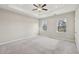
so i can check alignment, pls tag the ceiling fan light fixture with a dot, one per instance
(40, 7)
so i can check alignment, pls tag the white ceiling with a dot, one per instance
(53, 9)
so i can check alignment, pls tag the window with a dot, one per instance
(62, 26)
(43, 25)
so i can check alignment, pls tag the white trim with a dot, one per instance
(10, 41)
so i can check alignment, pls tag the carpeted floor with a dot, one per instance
(39, 45)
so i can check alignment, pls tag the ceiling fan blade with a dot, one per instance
(35, 5)
(45, 9)
(43, 5)
(34, 9)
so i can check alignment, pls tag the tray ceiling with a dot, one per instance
(53, 9)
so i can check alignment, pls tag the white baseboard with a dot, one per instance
(10, 41)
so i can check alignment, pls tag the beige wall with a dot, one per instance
(52, 27)
(14, 26)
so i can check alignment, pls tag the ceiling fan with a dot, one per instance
(40, 7)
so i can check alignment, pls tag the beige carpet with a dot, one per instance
(39, 45)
